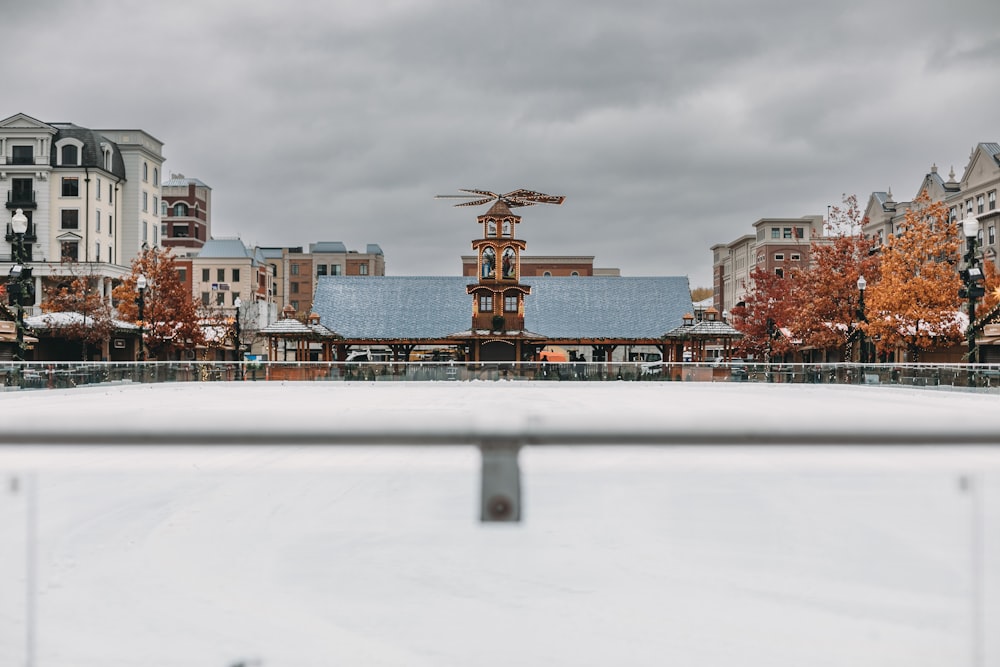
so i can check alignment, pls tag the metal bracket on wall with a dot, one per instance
(500, 482)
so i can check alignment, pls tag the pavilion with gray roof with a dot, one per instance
(401, 313)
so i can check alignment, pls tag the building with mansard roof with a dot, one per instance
(91, 197)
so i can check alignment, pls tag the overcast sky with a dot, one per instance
(668, 126)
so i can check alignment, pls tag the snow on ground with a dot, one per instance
(307, 556)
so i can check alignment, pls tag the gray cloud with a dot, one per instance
(668, 126)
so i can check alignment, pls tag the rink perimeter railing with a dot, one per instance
(61, 375)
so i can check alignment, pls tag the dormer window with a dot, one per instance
(106, 152)
(70, 155)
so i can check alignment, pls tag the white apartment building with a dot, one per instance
(90, 197)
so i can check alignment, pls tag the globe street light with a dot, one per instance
(18, 292)
(862, 284)
(140, 286)
(238, 303)
(972, 287)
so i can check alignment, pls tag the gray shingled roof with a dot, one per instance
(176, 181)
(91, 154)
(224, 249)
(430, 307)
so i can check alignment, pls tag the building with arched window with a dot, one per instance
(89, 209)
(186, 214)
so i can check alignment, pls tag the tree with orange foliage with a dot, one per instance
(82, 296)
(826, 293)
(915, 303)
(169, 311)
(764, 311)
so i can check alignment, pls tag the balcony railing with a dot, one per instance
(22, 199)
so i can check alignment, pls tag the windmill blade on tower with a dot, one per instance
(480, 197)
(513, 199)
(524, 197)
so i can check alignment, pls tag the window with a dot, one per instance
(69, 251)
(97, 221)
(220, 275)
(145, 171)
(980, 204)
(968, 207)
(182, 275)
(363, 270)
(800, 232)
(779, 256)
(110, 193)
(111, 255)
(321, 269)
(546, 273)
(295, 305)
(204, 299)
(97, 250)
(775, 233)
(111, 221)
(336, 270)
(97, 190)
(21, 192)
(796, 257)
(156, 204)
(294, 288)
(180, 231)
(510, 304)
(786, 232)
(574, 273)
(180, 209)
(294, 269)
(780, 273)
(205, 276)
(220, 298)
(163, 229)
(22, 155)
(163, 209)
(236, 275)
(145, 202)
(236, 295)
(992, 196)
(70, 218)
(69, 155)
(156, 176)
(145, 231)
(71, 187)
(486, 303)
(992, 234)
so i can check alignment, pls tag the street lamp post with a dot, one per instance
(862, 285)
(140, 286)
(238, 304)
(18, 291)
(972, 284)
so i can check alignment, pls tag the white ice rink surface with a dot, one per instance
(302, 555)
